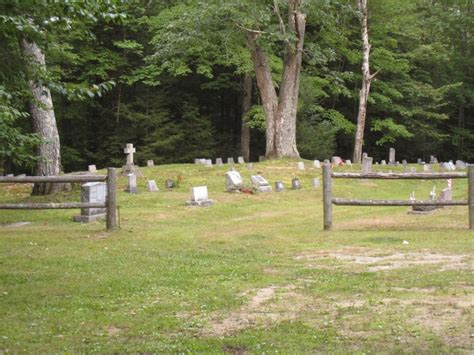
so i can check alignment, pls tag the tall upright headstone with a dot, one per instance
(92, 192)
(367, 165)
(131, 183)
(391, 156)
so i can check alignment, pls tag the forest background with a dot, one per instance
(176, 79)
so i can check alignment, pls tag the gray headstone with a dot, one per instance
(260, 184)
(413, 170)
(21, 175)
(419, 161)
(446, 194)
(240, 160)
(367, 165)
(219, 162)
(317, 164)
(383, 162)
(92, 169)
(301, 165)
(150, 163)
(295, 184)
(197, 161)
(230, 160)
(131, 183)
(460, 164)
(250, 166)
(261, 158)
(208, 163)
(233, 181)
(152, 187)
(433, 159)
(10, 175)
(391, 156)
(428, 168)
(279, 187)
(365, 155)
(92, 192)
(348, 162)
(169, 184)
(404, 162)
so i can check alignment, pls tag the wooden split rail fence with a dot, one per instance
(110, 204)
(328, 200)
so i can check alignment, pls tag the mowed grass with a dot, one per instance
(252, 273)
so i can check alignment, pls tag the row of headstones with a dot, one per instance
(219, 161)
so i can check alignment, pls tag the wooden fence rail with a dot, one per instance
(110, 204)
(328, 200)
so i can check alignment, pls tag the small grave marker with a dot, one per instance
(230, 160)
(316, 182)
(199, 197)
(301, 165)
(240, 160)
(219, 162)
(169, 183)
(233, 181)
(317, 164)
(295, 184)
(336, 161)
(92, 169)
(279, 187)
(152, 187)
(260, 184)
(150, 163)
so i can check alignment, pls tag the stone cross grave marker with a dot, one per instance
(131, 183)
(295, 184)
(317, 164)
(152, 187)
(301, 165)
(199, 197)
(279, 187)
(129, 150)
(391, 156)
(92, 192)
(367, 165)
(150, 163)
(92, 169)
(233, 181)
(240, 160)
(261, 185)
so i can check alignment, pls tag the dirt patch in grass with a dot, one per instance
(373, 261)
(266, 307)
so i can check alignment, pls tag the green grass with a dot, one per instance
(181, 279)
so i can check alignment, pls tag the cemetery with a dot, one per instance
(207, 264)
(236, 177)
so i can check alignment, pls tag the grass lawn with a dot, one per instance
(252, 273)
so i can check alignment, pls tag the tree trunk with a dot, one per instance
(246, 103)
(266, 89)
(44, 122)
(280, 111)
(285, 134)
(366, 81)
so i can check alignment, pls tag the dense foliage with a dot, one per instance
(167, 76)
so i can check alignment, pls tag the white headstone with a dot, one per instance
(92, 192)
(367, 165)
(219, 162)
(260, 183)
(348, 162)
(336, 161)
(150, 163)
(199, 193)
(240, 160)
(295, 184)
(230, 160)
(317, 164)
(391, 156)
(131, 184)
(92, 169)
(208, 163)
(233, 181)
(383, 162)
(316, 182)
(152, 187)
(301, 165)
(279, 187)
(427, 168)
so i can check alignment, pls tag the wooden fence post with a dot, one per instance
(470, 197)
(327, 196)
(111, 200)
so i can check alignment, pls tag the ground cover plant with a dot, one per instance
(252, 273)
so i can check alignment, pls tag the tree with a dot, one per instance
(367, 78)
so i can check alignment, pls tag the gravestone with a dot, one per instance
(419, 161)
(21, 175)
(413, 170)
(348, 162)
(326, 161)
(150, 163)
(92, 192)
(448, 166)
(433, 159)
(169, 183)
(427, 168)
(230, 160)
(197, 161)
(317, 164)
(391, 156)
(301, 165)
(316, 182)
(279, 187)
(261, 158)
(446, 195)
(131, 184)
(240, 160)
(460, 164)
(336, 161)
(365, 155)
(92, 169)
(260, 184)
(199, 197)
(295, 184)
(152, 187)
(367, 165)
(250, 166)
(130, 166)
(383, 162)
(219, 162)
(404, 162)
(233, 181)
(208, 163)
(9, 175)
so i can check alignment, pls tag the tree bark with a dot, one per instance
(246, 103)
(280, 111)
(44, 121)
(366, 81)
